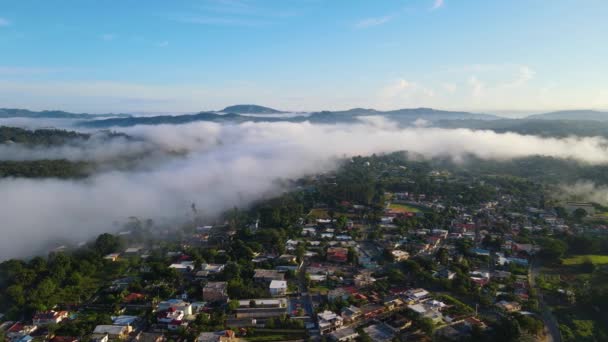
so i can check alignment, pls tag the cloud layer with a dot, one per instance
(225, 165)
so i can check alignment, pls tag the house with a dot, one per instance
(49, 317)
(372, 310)
(216, 291)
(112, 332)
(329, 321)
(278, 288)
(170, 316)
(288, 258)
(133, 297)
(264, 308)
(336, 293)
(398, 323)
(18, 330)
(508, 306)
(427, 311)
(266, 276)
(351, 313)
(445, 273)
(150, 337)
(415, 295)
(364, 279)
(132, 251)
(64, 339)
(337, 254)
(209, 270)
(183, 266)
(343, 335)
(112, 256)
(399, 255)
(124, 320)
(176, 324)
(379, 332)
(175, 304)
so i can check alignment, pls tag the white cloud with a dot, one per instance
(4, 22)
(523, 75)
(437, 4)
(231, 164)
(402, 93)
(376, 21)
(477, 87)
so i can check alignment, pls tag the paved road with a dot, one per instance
(552, 333)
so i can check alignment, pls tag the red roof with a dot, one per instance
(133, 297)
(17, 327)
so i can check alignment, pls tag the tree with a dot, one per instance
(107, 243)
(579, 214)
(233, 305)
(587, 265)
(552, 249)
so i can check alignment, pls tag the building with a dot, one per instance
(508, 306)
(343, 335)
(170, 316)
(571, 207)
(364, 279)
(266, 276)
(112, 332)
(399, 255)
(112, 256)
(175, 304)
(337, 254)
(329, 321)
(216, 291)
(263, 308)
(278, 288)
(351, 314)
(49, 317)
(150, 337)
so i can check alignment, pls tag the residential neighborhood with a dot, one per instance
(405, 265)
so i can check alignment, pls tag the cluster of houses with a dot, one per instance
(337, 265)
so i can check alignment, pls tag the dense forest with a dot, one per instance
(39, 137)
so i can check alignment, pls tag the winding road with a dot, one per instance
(552, 333)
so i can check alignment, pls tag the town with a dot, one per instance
(386, 248)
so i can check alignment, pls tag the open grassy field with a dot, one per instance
(579, 259)
(319, 213)
(403, 208)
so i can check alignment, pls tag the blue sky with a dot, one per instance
(192, 55)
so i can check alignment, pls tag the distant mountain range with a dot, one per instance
(572, 115)
(240, 113)
(52, 114)
(250, 109)
(255, 113)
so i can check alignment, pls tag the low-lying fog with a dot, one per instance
(223, 165)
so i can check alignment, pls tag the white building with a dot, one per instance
(278, 288)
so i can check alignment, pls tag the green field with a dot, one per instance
(403, 208)
(579, 259)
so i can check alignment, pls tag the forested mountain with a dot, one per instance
(545, 128)
(250, 109)
(51, 114)
(402, 116)
(39, 136)
(572, 115)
